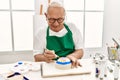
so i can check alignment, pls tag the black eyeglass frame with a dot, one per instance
(52, 20)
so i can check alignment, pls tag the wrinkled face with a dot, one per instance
(55, 18)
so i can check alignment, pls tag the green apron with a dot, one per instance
(61, 45)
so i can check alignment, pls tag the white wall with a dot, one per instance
(111, 27)
(14, 57)
(111, 21)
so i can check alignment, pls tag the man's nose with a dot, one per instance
(56, 22)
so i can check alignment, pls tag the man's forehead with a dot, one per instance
(55, 12)
(55, 8)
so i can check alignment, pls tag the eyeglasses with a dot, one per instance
(52, 20)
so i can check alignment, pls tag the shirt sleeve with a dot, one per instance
(39, 42)
(77, 37)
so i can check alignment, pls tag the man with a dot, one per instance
(60, 39)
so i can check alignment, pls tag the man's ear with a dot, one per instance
(45, 15)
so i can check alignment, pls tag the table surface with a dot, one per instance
(36, 75)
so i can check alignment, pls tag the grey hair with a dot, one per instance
(55, 4)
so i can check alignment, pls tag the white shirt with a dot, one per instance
(40, 38)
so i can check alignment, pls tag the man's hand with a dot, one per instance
(75, 62)
(50, 54)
